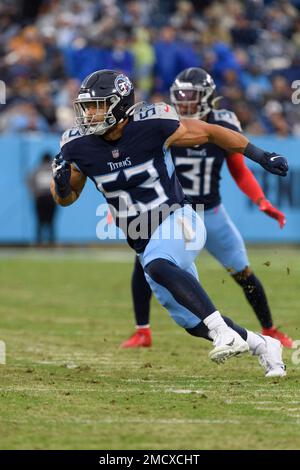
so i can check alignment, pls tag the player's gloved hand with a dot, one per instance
(265, 206)
(61, 171)
(271, 162)
(275, 163)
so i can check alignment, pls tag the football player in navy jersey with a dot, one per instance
(124, 149)
(198, 170)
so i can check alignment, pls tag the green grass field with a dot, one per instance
(66, 385)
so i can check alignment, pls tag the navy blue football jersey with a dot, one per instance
(135, 173)
(199, 168)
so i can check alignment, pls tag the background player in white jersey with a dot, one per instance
(144, 181)
(199, 172)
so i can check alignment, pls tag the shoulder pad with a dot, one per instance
(227, 117)
(69, 135)
(155, 111)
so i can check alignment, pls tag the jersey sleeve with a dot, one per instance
(169, 120)
(68, 146)
(69, 135)
(162, 117)
(226, 118)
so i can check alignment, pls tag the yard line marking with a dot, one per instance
(184, 391)
(130, 421)
(156, 421)
(253, 402)
(170, 421)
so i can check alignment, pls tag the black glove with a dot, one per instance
(275, 163)
(271, 162)
(61, 171)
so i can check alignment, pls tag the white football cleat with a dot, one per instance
(227, 344)
(271, 358)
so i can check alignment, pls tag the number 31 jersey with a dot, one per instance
(135, 173)
(199, 168)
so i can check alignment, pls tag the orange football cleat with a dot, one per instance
(285, 340)
(140, 339)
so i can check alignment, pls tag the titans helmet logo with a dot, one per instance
(123, 85)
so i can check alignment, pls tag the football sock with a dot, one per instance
(239, 329)
(202, 331)
(214, 321)
(256, 296)
(183, 286)
(141, 294)
(256, 343)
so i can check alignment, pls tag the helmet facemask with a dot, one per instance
(95, 115)
(195, 100)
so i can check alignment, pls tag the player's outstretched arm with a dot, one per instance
(67, 182)
(247, 182)
(192, 132)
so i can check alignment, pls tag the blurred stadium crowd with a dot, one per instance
(250, 47)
